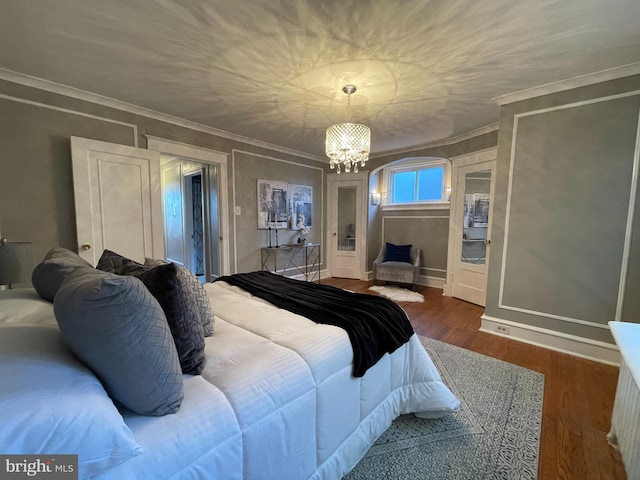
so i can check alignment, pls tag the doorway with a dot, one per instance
(470, 227)
(191, 217)
(347, 216)
(194, 191)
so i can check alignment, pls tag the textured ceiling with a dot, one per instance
(273, 70)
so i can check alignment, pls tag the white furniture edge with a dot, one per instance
(627, 337)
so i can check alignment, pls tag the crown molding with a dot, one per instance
(571, 83)
(57, 88)
(445, 141)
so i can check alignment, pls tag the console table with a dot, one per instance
(303, 258)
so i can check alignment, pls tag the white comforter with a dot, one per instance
(288, 380)
(277, 400)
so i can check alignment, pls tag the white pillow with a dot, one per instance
(52, 404)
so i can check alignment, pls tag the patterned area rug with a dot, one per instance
(495, 435)
(398, 294)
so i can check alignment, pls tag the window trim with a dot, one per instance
(414, 165)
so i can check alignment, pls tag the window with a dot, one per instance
(425, 181)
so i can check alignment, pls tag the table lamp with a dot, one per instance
(16, 263)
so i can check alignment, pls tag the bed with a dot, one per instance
(277, 397)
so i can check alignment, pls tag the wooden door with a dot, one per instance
(117, 199)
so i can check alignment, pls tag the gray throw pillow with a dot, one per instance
(48, 275)
(202, 303)
(201, 300)
(115, 263)
(178, 302)
(117, 328)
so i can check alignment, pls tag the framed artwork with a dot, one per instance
(272, 204)
(300, 206)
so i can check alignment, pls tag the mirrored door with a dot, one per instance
(475, 219)
(471, 214)
(347, 223)
(346, 234)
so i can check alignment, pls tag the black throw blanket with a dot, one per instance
(375, 324)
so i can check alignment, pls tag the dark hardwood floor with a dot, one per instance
(578, 393)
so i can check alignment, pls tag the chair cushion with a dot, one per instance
(397, 253)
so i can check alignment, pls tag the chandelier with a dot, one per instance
(348, 144)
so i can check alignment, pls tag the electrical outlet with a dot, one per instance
(238, 210)
(502, 329)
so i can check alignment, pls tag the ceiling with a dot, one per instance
(273, 70)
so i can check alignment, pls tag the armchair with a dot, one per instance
(389, 269)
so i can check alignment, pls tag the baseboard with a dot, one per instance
(560, 342)
(434, 282)
(300, 276)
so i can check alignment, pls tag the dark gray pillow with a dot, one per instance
(177, 299)
(202, 303)
(115, 263)
(48, 275)
(117, 328)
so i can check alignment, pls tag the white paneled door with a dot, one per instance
(471, 219)
(347, 225)
(117, 199)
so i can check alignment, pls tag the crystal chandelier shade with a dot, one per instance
(348, 144)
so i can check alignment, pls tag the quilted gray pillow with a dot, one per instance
(115, 263)
(177, 299)
(48, 275)
(202, 303)
(201, 300)
(117, 328)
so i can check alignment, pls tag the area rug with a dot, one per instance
(495, 435)
(398, 294)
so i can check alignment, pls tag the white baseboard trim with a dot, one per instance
(597, 351)
(300, 276)
(425, 280)
(434, 282)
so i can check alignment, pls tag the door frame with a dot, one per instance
(204, 155)
(483, 156)
(361, 179)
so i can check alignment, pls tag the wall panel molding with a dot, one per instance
(132, 126)
(502, 304)
(78, 94)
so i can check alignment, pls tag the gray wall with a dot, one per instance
(247, 169)
(428, 229)
(36, 189)
(559, 225)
